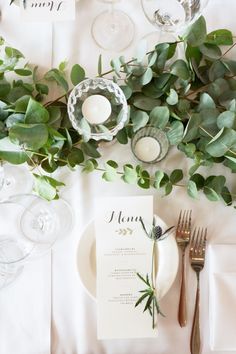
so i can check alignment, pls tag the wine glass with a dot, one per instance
(14, 179)
(42, 223)
(29, 228)
(171, 17)
(113, 29)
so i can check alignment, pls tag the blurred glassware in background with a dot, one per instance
(113, 29)
(14, 179)
(170, 16)
(30, 226)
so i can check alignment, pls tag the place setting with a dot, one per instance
(117, 193)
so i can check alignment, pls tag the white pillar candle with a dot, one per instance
(96, 109)
(147, 149)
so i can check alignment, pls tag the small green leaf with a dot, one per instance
(90, 149)
(192, 189)
(145, 103)
(90, 165)
(220, 37)
(36, 113)
(159, 175)
(226, 119)
(110, 175)
(222, 142)
(32, 136)
(12, 52)
(42, 89)
(127, 91)
(173, 98)
(176, 176)
(211, 194)
(56, 75)
(175, 133)
(168, 188)
(122, 136)
(77, 74)
(130, 175)
(85, 129)
(180, 69)
(12, 153)
(196, 33)
(46, 187)
(23, 72)
(146, 77)
(159, 117)
(139, 119)
(75, 157)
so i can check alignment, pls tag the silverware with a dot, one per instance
(183, 233)
(197, 260)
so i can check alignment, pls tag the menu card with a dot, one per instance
(122, 249)
(47, 11)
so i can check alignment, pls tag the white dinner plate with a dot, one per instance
(168, 260)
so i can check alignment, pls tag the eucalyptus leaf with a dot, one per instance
(36, 113)
(192, 189)
(159, 117)
(31, 136)
(180, 69)
(226, 119)
(139, 119)
(77, 74)
(12, 153)
(196, 34)
(85, 129)
(173, 98)
(220, 37)
(175, 133)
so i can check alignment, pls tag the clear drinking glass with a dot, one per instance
(170, 17)
(14, 179)
(113, 29)
(29, 228)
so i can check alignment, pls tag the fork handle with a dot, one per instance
(195, 342)
(182, 314)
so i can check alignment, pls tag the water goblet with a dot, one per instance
(170, 17)
(113, 29)
(14, 179)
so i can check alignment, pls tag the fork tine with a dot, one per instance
(184, 220)
(179, 220)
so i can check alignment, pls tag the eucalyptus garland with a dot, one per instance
(193, 100)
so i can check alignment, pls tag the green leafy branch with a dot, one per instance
(192, 101)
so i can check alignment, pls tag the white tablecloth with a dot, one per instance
(73, 311)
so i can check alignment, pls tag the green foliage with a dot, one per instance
(193, 100)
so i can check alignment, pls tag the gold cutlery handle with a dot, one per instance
(195, 342)
(182, 314)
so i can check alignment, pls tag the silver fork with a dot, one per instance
(197, 260)
(183, 233)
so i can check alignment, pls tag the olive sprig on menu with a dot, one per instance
(150, 293)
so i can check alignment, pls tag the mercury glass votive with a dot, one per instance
(102, 104)
(150, 145)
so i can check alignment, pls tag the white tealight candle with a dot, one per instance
(147, 149)
(96, 109)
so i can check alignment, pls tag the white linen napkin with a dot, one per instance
(222, 297)
(25, 307)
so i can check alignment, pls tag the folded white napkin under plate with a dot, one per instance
(222, 297)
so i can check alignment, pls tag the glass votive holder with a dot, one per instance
(97, 109)
(150, 145)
